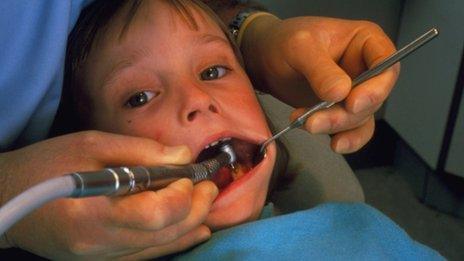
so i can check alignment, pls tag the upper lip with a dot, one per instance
(221, 135)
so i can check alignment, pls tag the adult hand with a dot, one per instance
(283, 56)
(139, 226)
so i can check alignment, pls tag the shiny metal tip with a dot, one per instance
(227, 148)
(233, 167)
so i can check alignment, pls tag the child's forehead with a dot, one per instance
(163, 15)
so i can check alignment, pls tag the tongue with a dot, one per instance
(245, 153)
(225, 175)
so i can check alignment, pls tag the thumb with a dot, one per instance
(327, 79)
(114, 149)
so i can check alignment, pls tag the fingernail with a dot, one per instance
(342, 146)
(183, 182)
(319, 125)
(334, 81)
(361, 104)
(337, 88)
(213, 190)
(204, 235)
(177, 154)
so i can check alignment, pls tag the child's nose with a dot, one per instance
(196, 113)
(198, 103)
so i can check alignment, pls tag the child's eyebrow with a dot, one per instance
(139, 53)
(129, 61)
(208, 38)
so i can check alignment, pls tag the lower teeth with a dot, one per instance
(237, 172)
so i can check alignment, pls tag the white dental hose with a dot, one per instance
(109, 182)
(34, 198)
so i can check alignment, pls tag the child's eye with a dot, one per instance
(213, 73)
(141, 98)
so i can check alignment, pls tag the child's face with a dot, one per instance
(176, 85)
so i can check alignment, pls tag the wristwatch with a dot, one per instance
(236, 23)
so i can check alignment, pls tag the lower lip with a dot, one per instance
(239, 182)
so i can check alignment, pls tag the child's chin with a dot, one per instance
(224, 219)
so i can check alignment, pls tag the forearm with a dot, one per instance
(256, 35)
(227, 9)
(3, 193)
(3, 178)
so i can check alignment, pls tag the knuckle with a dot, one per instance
(299, 38)
(151, 221)
(79, 248)
(371, 26)
(336, 123)
(90, 138)
(77, 244)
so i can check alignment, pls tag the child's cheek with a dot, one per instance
(136, 127)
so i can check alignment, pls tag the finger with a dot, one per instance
(114, 149)
(144, 236)
(204, 194)
(327, 79)
(372, 93)
(352, 140)
(376, 48)
(153, 210)
(333, 120)
(194, 237)
(180, 206)
(369, 47)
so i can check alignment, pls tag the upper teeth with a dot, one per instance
(214, 143)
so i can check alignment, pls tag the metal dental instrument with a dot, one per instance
(376, 70)
(130, 180)
(109, 182)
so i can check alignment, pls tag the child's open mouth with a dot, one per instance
(245, 152)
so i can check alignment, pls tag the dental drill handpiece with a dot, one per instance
(129, 180)
(109, 182)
